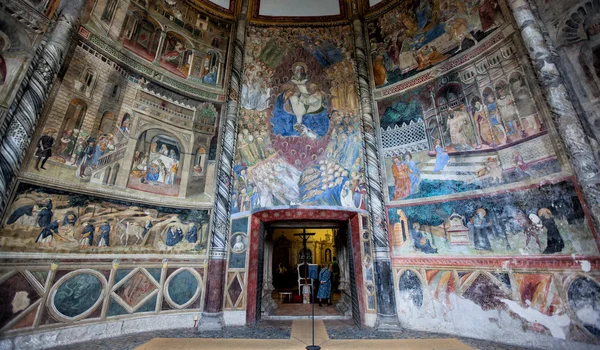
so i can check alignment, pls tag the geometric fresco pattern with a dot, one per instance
(235, 289)
(135, 289)
(21, 295)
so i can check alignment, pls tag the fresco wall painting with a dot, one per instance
(298, 119)
(471, 129)
(516, 302)
(549, 219)
(136, 134)
(417, 35)
(172, 35)
(43, 219)
(476, 181)
(97, 293)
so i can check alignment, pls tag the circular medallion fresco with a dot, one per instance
(77, 295)
(183, 287)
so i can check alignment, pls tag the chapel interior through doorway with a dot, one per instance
(285, 275)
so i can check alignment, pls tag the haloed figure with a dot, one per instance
(325, 287)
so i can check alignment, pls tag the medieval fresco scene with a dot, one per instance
(468, 130)
(299, 140)
(532, 221)
(125, 132)
(172, 35)
(42, 219)
(417, 35)
(183, 166)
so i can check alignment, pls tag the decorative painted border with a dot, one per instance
(99, 268)
(565, 262)
(434, 72)
(255, 15)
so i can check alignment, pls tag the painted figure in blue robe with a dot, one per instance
(324, 285)
(87, 235)
(19, 212)
(153, 173)
(47, 233)
(192, 234)
(421, 242)
(441, 158)
(284, 119)
(211, 78)
(423, 14)
(174, 236)
(415, 173)
(104, 239)
(44, 217)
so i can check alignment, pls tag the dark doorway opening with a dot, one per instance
(284, 288)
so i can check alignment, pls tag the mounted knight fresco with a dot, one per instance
(417, 35)
(42, 219)
(299, 140)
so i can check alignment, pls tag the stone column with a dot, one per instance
(159, 48)
(386, 305)
(23, 114)
(221, 210)
(268, 304)
(569, 125)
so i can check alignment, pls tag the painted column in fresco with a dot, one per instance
(386, 305)
(25, 110)
(221, 213)
(569, 125)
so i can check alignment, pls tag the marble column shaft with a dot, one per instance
(563, 112)
(25, 110)
(221, 211)
(386, 304)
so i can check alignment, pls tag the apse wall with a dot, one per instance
(110, 219)
(299, 139)
(488, 231)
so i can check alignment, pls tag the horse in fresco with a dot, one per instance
(130, 229)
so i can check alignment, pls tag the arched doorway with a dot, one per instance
(272, 244)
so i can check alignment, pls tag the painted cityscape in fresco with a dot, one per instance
(43, 219)
(468, 130)
(535, 221)
(417, 35)
(299, 140)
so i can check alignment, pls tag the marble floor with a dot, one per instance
(332, 334)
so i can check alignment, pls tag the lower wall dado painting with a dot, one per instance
(44, 219)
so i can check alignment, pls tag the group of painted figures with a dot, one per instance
(75, 148)
(481, 230)
(55, 232)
